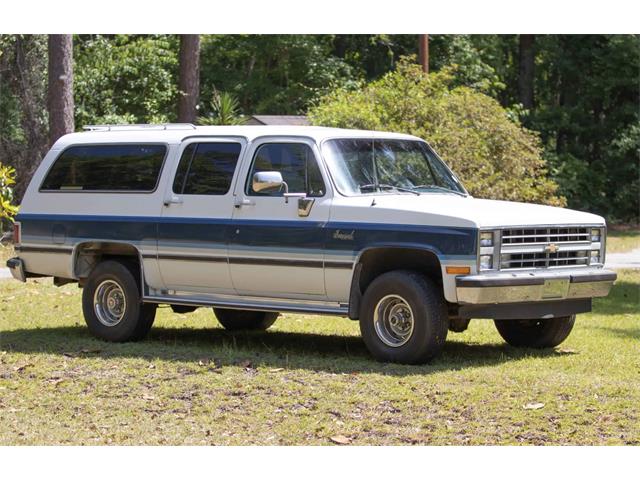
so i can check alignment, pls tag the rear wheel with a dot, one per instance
(403, 318)
(245, 319)
(536, 333)
(112, 306)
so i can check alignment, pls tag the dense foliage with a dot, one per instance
(7, 209)
(125, 79)
(271, 74)
(585, 109)
(494, 156)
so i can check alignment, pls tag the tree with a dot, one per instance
(525, 70)
(126, 78)
(60, 92)
(272, 74)
(23, 116)
(493, 154)
(423, 52)
(189, 78)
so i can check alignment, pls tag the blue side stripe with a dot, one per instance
(281, 235)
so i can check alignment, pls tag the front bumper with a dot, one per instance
(537, 286)
(16, 267)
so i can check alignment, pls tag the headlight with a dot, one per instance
(596, 235)
(486, 262)
(594, 257)
(486, 239)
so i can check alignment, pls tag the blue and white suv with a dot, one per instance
(255, 220)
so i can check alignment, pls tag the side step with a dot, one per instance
(251, 303)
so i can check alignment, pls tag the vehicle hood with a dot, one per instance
(453, 210)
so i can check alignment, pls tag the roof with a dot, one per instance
(278, 120)
(176, 133)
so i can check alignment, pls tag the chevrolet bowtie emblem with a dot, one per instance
(551, 248)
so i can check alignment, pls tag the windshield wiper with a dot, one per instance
(386, 186)
(438, 187)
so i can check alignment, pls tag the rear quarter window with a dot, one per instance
(107, 168)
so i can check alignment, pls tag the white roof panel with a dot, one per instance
(174, 134)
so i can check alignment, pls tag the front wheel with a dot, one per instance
(536, 333)
(245, 319)
(403, 318)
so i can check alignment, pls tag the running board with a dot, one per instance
(254, 303)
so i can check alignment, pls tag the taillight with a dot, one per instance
(16, 233)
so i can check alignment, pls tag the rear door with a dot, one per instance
(275, 248)
(198, 204)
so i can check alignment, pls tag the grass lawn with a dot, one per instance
(307, 380)
(619, 241)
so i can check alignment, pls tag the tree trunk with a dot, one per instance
(189, 82)
(423, 52)
(60, 94)
(525, 71)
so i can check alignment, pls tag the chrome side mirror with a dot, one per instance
(268, 182)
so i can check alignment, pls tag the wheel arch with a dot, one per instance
(375, 260)
(87, 255)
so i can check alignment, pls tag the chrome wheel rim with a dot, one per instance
(393, 320)
(109, 303)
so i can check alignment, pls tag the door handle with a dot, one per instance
(172, 199)
(244, 202)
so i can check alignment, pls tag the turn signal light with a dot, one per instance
(458, 270)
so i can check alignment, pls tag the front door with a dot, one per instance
(276, 242)
(192, 236)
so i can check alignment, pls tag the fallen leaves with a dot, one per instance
(534, 406)
(24, 366)
(566, 351)
(340, 440)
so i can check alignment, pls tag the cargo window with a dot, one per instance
(106, 168)
(296, 163)
(206, 169)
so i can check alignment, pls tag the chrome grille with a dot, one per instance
(544, 260)
(545, 235)
(544, 247)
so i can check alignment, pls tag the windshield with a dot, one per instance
(364, 165)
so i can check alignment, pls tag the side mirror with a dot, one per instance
(268, 182)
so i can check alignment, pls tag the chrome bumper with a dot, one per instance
(16, 267)
(540, 286)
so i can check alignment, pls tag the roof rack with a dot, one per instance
(139, 126)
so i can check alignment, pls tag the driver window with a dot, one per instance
(296, 163)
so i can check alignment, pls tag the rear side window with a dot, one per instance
(104, 168)
(206, 169)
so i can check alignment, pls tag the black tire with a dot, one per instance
(137, 317)
(244, 319)
(430, 322)
(536, 333)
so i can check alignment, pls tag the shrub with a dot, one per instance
(494, 156)
(7, 209)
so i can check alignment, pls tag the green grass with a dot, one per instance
(308, 379)
(619, 241)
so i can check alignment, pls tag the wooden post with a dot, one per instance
(423, 51)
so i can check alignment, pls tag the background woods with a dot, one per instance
(542, 118)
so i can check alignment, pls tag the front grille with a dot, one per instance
(544, 247)
(545, 235)
(544, 260)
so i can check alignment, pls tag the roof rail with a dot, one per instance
(139, 126)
